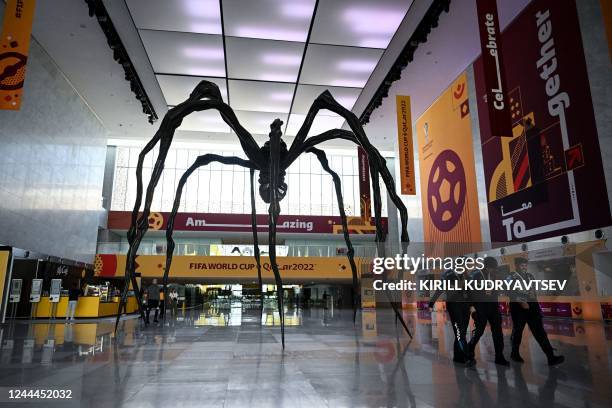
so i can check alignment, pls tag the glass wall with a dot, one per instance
(219, 188)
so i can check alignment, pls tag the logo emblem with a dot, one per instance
(156, 220)
(446, 190)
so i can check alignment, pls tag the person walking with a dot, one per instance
(173, 302)
(73, 298)
(458, 308)
(525, 310)
(486, 303)
(152, 301)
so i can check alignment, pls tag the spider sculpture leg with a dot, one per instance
(377, 164)
(299, 145)
(201, 161)
(256, 241)
(170, 122)
(351, 251)
(165, 133)
(380, 242)
(273, 212)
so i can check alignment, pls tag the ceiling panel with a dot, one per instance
(185, 53)
(196, 16)
(338, 66)
(261, 96)
(321, 123)
(268, 19)
(207, 121)
(306, 94)
(259, 122)
(359, 23)
(263, 60)
(177, 88)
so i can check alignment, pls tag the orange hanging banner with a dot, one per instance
(404, 141)
(14, 47)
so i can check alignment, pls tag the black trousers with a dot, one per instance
(152, 304)
(533, 318)
(488, 312)
(459, 313)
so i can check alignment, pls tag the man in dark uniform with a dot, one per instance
(458, 308)
(525, 309)
(487, 310)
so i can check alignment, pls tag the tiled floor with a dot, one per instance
(229, 358)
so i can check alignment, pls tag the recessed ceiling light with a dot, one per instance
(298, 10)
(361, 18)
(357, 65)
(282, 59)
(207, 53)
(271, 34)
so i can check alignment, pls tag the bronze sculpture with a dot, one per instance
(271, 160)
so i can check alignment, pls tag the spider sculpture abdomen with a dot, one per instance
(264, 185)
(264, 172)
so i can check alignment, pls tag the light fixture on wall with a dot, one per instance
(120, 54)
(599, 234)
(429, 21)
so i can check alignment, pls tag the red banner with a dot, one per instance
(291, 224)
(494, 75)
(547, 179)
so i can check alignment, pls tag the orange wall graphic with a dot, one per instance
(14, 48)
(448, 179)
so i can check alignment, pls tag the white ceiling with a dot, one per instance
(259, 53)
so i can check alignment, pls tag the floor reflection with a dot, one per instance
(230, 355)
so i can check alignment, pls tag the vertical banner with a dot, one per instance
(547, 179)
(365, 199)
(14, 47)
(606, 12)
(490, 44)
(404, 142)
(448, 176)
(6, 266)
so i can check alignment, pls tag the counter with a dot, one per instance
(87, 307)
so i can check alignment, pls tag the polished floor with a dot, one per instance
(232, 357)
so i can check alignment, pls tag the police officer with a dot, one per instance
(487, 310)
(458, 308)
(525, 309)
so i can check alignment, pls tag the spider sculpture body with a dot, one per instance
(271, 160)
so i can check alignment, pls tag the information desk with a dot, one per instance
(87, 306)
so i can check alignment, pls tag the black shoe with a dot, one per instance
(554, 360)
(470, 362)
(156, 321)
(515, 356)
(501, 360)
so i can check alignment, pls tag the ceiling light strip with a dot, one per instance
(227, 92)
(297, 81)
(428, 22)
(120, 54)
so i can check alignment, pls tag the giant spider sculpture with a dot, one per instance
(272, 161)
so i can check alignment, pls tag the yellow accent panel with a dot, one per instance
(87, 307)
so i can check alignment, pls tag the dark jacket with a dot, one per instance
(483, 295)
(522, 295)
(74, 293)
(452, 295)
